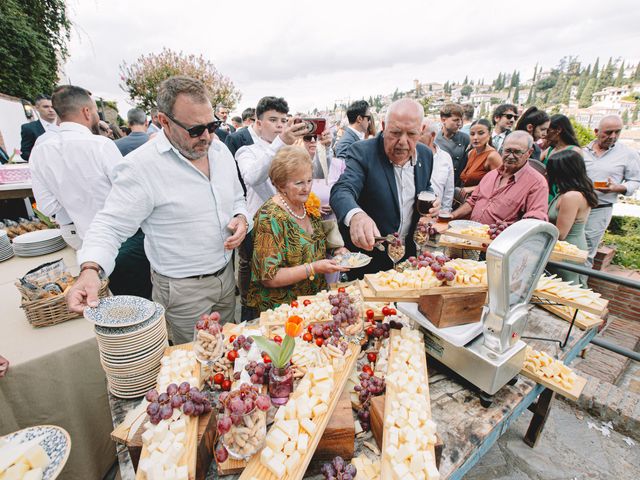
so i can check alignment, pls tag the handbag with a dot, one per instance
(332, 234)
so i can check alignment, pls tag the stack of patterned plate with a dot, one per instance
(40, 242)
(132, 337)
(6, 251)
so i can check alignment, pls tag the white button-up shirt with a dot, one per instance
(254, 162)
(442, 177)
(620, 163)
(48, 126)
(72, 171)
(183, 214)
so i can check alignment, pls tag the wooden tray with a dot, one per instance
(406, 293)
(561, 257)
(370, 295)
(189, 457)
(257, 470)
(466, 236)
(582, 323)
(389, 397)
(460, 245)
(572, 394)
(600, 311)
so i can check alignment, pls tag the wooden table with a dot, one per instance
(467, 429)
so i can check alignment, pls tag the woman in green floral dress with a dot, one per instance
(290, 247)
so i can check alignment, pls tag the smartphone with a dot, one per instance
(315, 126)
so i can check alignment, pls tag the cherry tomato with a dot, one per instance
(319, 341)
(385, 310)
(309, 328)
(306, 302)
(370, 314)
(372, 357)
(277, 339)
(294, 303)
(232, 355)
(369, 331)
(266, 359)
(232, 338)
(392, 311)
(341, 290)
(226, 385)
(307, 337)
(367, 369)
(218, 378)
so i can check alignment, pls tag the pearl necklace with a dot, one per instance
(290, 210)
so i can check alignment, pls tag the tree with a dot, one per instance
(466, 90)
(595, 71)
(516, 95)
(143, 77)
(625, 117)
(636, 74)
(634, 117)
(34, 37)
(396, 95)
(606, 77)
(620, 78)
(530, 97)
(583, 134)
(466, 80)
(585, 99)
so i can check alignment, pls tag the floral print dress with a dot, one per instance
(279, 242)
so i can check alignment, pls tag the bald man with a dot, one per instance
(607, 160)
(376, 193)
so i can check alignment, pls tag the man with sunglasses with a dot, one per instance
(509, 193)
(504, 118)
(182, 189)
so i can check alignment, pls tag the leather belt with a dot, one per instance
(602, 205)
(214, 274)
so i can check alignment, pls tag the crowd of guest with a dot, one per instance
(161, 207)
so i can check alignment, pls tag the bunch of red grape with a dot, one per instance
(190, 399)
(259, 372)
(378, 330)
(437, 265)
(210, 323)
(343, 310)
(496, 229)
(338, 469)
(370, 386)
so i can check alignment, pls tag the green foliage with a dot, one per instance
(620, 78)
(583, 134)
(625, 117)
(624, 234)
(466, 90)
(547, 83)
(34, 37)
(585, 99)
(516, 95)
(143, 77)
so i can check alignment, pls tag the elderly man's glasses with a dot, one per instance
(309, 138)
(510, 116)
(507, 152)
(197, 130)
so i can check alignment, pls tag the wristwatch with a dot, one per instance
(246, 222)
(93, 267)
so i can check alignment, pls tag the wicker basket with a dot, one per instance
(51, 311)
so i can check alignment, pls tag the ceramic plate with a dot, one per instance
(120, 311)
(136, 328)
(39, 236)
(353, 259)
(458, 224)
(55, 442)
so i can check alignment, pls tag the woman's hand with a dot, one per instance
(328, 266)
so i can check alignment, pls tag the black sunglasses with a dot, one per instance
(510, 116)
(309, 138)
(197, 130)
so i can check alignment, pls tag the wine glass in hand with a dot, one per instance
(396, 249)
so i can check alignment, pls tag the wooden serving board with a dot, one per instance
(370, 295)
(406, 293)
(390, 395)
(460, 245)
(600, 311)
(562, 257)
(466, 236)
(190, 455)
(572, 394)
(582, 322)
(256, 469)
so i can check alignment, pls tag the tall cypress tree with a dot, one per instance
(620, 78)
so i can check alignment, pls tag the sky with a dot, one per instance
(316, 53)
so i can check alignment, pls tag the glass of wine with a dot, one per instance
(426, 199)
(396, 249)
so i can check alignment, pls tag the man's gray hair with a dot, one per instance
(174, 86)
(428, 126)
(136, 116)
(517, 134)
(403, 103)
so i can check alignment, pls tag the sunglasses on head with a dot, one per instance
(510, 116)
(310, 138)
(197, 130)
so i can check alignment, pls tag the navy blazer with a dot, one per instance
(238, 139)
(369, 183)
(347, 139)
(29, 133)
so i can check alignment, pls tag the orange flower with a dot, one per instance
(294, 326)
(313, 205)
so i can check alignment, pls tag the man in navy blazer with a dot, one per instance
(375, 196)
(32, 130)
(359, 117)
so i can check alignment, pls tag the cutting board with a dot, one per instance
(407, 293)
(600, 311)
(583, 322)
(573, 394)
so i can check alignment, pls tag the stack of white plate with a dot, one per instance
(132, 336)
(40, 242)
(6, 251)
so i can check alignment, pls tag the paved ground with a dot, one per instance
(568, 449)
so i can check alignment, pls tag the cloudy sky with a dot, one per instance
(314, 53)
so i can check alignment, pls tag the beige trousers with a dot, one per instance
(185, 299)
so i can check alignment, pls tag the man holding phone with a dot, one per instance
(276, 131)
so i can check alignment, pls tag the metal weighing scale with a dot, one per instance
(490, 353)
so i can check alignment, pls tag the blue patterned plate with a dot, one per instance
(136, 328)
(120, 311)
(55, 442)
